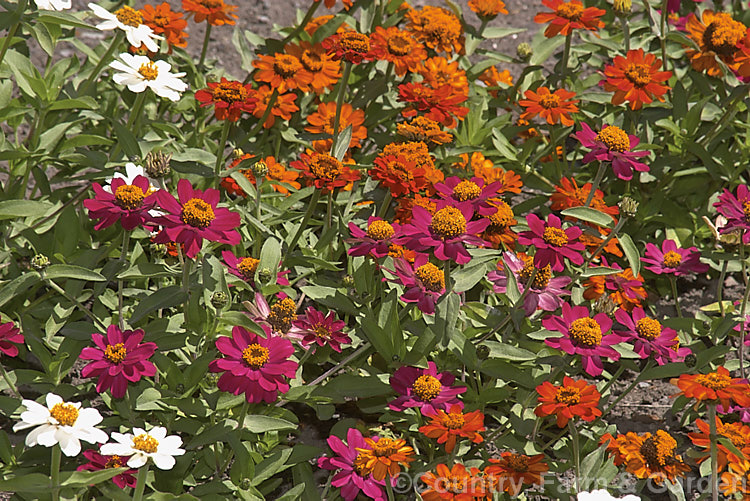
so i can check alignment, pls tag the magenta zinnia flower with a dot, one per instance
(424, 282)
(613, 145)
(583, 335)
(348, 479)
(553, 244)
(322, 330)
(10, 334)
(194, 218)
(649, 336)
(245, 267)
(673, 260)
(279, 317)
(425, 389)
(376, 240)
(98, 462)
(471, 191)
(445, 232)
(257, 366)
(119, 359)
(127, 203)
(737, 211)
(545, 292)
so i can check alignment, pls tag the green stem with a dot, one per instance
(134, 113)
(517, 304)
(259, 125)
(566, 56)
(339, 103)
(75, 302)
(389, 488)
(55, 472)
(116, 40)
(258, 182)
(625, 32)
(714, 453)
(595, 184)
(310, 209)
(204, 49)
(10, 384)
(386, 205)
(238, 431)
(729, 111)
(447, 277)
(720, 287)
(576, 453)
(308, 16)
(123, 258)
(341, 364)
(8, 38)
(663, 30)
(140, 485)
(222, 145)
(612, 234)
(673, 283)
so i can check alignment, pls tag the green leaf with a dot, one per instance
(86, 478)
(256, 423)
(342, 144)
(270, 257)
(81, 103)
(589, 215)
(600, 270)
(29, 482)
(10, 209)
(501, 32)
(72, 271)
(509, 352)
(127, 140)
(163, 298)
(631, 253)
(214, 279)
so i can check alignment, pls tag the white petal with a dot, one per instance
(53, 400)
(92, 435)
(70, 445)
(137, 460)
(32, 437)
(88, 417)
(123, 438)
(137, 87)
(47, 437)
(169, 444)
(162, 461)
(107, 25)
(116, 450)
(158, 432)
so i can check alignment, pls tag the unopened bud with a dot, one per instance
(260, 169)
(483, 352)
(395, 358)
(245, 484)
(156, 164)
(691, 360)
(265, 275)
(348, 281)
(622, 7)
(159, 250)
(219, 300)
(39, 262)
(237, 153)
(524, 51)
(628, 207)
(605, 305)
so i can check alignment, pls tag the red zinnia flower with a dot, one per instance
(282, 107)
(553, 244)
(128, 203)
(446, 427)
(715, 387)
(569, 16)
(571, 399)
(636, 78)
(10, 334)
(351, 46)
(230, 99)
(441, 104)
(400, 175)
(554, 107)
(325, 172)
(322, 330)
(98, 462)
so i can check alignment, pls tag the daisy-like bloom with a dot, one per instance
(283, 72)
(715, 387)
(511, 471)
(448, 426)
(553, 244)
(613, 145)
(399, 174)
(245, 268)
(568, 16)
(54, 4)
(455, 484)
(424, 129)
(229, 98)
(423, 282)
(583, 335)
(625, 290)
(130, 21)
(256, 366)
(488, 9)
(349, 462)
(60, 422)
(139, 73)
(214, 12)
(499, 232)
(351, 46)
(568, 194)
(438, 71)
(325, 72)
(142, 446)
(164, 21)
(283, 106)
(437, 28)
(119, 359)
(398, 47)
(321, 122)
(653, 456)
(673, 260)
(375, 241)
(425, 389)
(417, 152)
(406, 206)
(737, 433)
(650, 337)
(441, 104)
(98, 462)
(195, 217)
(636, 79)
(279, 317)
(720, 38)
(491, 77)
(554, 107)
(484, 168)
(382, 457)
(322, 329)
(127, 203)
(571, 399)
(473, 191)
(278, 175)
(325, 172)
(545, 292)
(736, 209)
(131, 172)
(615, 447)
(10, 334)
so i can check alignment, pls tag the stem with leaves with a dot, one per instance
(222, 146)
(340, 103)
(55, 471)
(673, 283)
(204, 49)
(596, 183)
(123, 259)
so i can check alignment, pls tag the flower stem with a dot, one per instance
(339, 103)
(258, 182)
(595, 184)
(8, 38)
(10, 383)
(673, 282)
(576, 453)
(73, 300)
(612, 234)
(310, 208)
(341, 364)
(123, 258)
(55, 472)
(625, 32)
(447, 276)
(566, 56)
(389, 488)
(140, 485)
(720, 287)
(714, 453)
(308, 16)
(518, 303)
(222, 145)
(116, 40)
(204, 49)
(663, 30)
(134, 114)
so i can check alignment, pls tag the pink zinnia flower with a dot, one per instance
(650, 337)
(321, 329)
(245, 267)
(614, 145)
(425, 389)
(194, 218)
(376, 240)
(673, 260)
(127, 203)
(553, 244)
(257, 366)
(348, 478)
(583, 335)
(10, 334)
(119, 359)
(472, 191)
(424, 282)
(545, 292)
(737, 211)
(445, 232)
(98, 462)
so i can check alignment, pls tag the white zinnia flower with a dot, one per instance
(139, 72)
(141, 446)
(60, 422)
(130, 21)
(54, 4)
(603, 495)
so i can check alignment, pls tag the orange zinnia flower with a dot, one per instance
(554, 107)
(229, 98)
(491, 77)
(488, 9)
(215, 12)
(331, 3)
(438, 71)
(414, 151)
(456, 484)
(484, 168)
(405, 206)
(718, 36)
(511, 471)
(283, 107)
(615, 447)
(448, 426)
(321, 122)
(350, 45)
(398, 47)
(384, 458)
(625, 289)
(441, 104)
(283, 72)
(164, 21)
(737, 433)
(325, 172)
(636, 78)
(319, 21)
(568, 194)
(277, 173)
(715, 387)
(499, 232)
(324, 70)
(437, 28)
(569, 16)
(652, 456)
(572, 398)
(736, 480)
(398, 174)
(424, 129)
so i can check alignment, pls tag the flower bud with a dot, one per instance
(605, 305)
(265, 275)
(622, 7)
(524, 51)
(483, 352)
(237, 153)
(691, 360)
(219, 300)
(39, 262)
(156, 164)
(628, 207)
(245, 484)
(348, 281)
(260, 169)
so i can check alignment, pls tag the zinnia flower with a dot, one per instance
(511, 471)
(97, 462)
(437, 28)
(423, 129)
(278, 175)
(349, 462)
(399, 174)
(719, 37)
(636, 78)
(552, 243)
(245, 268)
(569, 16)
(424, 388)
(473, 191)
(321, 122)
(737, 433)
(650, 337)
(499, 232)
(130, 21)
(440, 105)
(613, 145)
(438, 71)
(653, 456)
(322, 329)
(325, 172)
(164, 21)
(351, 46)
(624, 289)
(555, 107)
(456, 484)
(54, 4)
(139, 73)
(571, 399)
(376, 240)
(737, 211)
(448, 426)
(279, 317)
(214, 12)
(715, 387)
(282, 107)
(423, 282)
(282, 72)
(142, 446)
(10, 334)
(229, 98)
(127, 203)
(383, 457)
(324, 70)
(488, 9)
(398, 47)
(673, 260)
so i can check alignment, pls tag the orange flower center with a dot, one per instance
(355, 42)
(248, 266)
(570, 11)
(448, 222)
(114, 462)
(714, 380)
(549, 101)
(734, 434)
(145, 443)
(454, 420)
(658, 450)
(638, 74)
(555, 236)
(723, 34)
(395, 250)
(586, 332)
(65, 414)
(197, 213)
(380, 230)
(503, 216)
(255, 356)
(324, 166)
(129, 197)
(129, 16)
(518, 462)
(286, 65)
(648, 328)
(614, 138)
(568, 395)
(160, 21)
(312, 61)
(385, 447)
(322, 331)
(230, 92)
(431, 277)
(746, 209)
(466, 190)
(399, 44)
(426, 387)
(672, 259)
(283, 313)
(211, 4)
(115, 353)
(542, 277)
(148, 71)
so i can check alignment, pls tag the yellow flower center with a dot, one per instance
(399, 44)
(672, 259)
(197, 213)
(129, 197)
(448, 222)
(614, 138)
(129, 16)
(145, 443)
(230, 92)
(549, 101)
(312, 61)
(385, 447)
(380, 230)
(431, 277)
(648, 328)
(248, 266)
(555, 236)
(518, 462)
(355, 42)
(322, 331)
(211, 4)
(65, 414)
(658, 450)
(570, 11)
(723, 34)
(542, 277)
(255, 356)
(324, 166)
(454, 420)
(148, 71)
(586, 332)
(115, 353)
(283, 313)
(503, 216)
(114, 462)
(714, 380)
(286, 65)
(466, 190)
(426, 387)
(638, 74)
(568, 395)
(746, 209)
